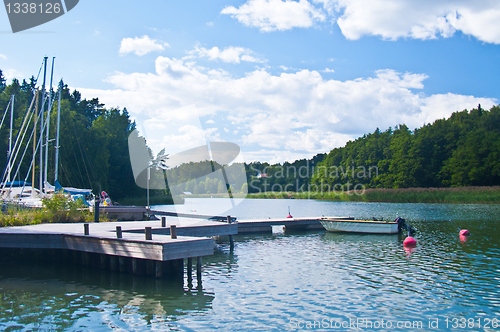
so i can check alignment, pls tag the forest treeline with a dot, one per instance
(93, 140)
(463, 150)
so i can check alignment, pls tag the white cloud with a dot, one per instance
(3, 57)
(271, 15)
(419, 19)
(10, 74)
(229, 54)
(389, 19)
(299, 114)
(141, 46)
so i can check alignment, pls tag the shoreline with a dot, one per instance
(455, 195)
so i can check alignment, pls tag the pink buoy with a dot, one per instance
(409, 242)
(464, 232)
(289, 216)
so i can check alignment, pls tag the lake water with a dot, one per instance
(287, 281)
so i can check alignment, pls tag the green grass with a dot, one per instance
(408, 195)
(58, 209)
(435, 195)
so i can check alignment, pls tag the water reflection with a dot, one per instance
(270, 279)
(62, 297)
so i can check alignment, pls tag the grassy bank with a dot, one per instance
(58, 209)
(407, 195)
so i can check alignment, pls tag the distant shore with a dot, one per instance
(483, 195)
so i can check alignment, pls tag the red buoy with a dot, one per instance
(464, 232)
(289, 216)
(409, 242)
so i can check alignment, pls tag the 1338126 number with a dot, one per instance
(33, 8)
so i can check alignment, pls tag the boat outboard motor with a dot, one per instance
(403, 225)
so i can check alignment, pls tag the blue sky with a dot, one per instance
(283, 79)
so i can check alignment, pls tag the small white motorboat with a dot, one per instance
(363, 226)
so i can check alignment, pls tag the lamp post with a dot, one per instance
(160, 162)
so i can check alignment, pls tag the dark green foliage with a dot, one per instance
(62, 209)
(2, 81)
(463, 150)
(93, 141)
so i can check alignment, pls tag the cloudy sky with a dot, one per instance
(285, 80)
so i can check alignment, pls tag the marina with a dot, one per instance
(139, 247)
(271, 280)
(120, 246)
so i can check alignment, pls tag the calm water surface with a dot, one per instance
(287, 281)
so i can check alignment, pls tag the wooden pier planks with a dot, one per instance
(255, 226)
(102, 240)
(265, 225)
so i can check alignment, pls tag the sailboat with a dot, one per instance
(22, 192)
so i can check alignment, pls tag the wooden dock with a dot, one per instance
(265, 225)
(154, 247)
(145, 247)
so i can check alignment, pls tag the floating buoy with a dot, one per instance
(409, 242)
(289, 215)
(464, 232)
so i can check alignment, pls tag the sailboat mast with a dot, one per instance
(9, 167)
(57, 133)
(41, 122)
(34, 146)
(48, 125)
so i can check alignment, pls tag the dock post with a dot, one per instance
(148, 233)
(231, 240)
(85, 258)
(86, 229)
(118, 232)
(150, 267)
(173, 231)
(113, 263)
(96, 209)
(190, 272)
(122, 264)
(159, 269)
(163, 221)
(104, 261)
(139, 266)
(198, 270)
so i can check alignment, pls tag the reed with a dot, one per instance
(408, 195)
(435, 195)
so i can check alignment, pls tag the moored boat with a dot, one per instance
(364, 226)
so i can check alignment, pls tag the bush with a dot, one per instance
(62, 209)
(57, 209)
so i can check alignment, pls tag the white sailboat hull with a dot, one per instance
(27, 196)
(360, 226)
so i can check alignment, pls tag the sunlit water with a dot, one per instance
(287, 281)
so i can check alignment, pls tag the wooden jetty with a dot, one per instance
(148, 247)
(265, 225)
(154, 247)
